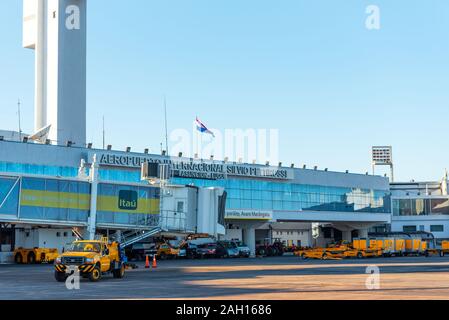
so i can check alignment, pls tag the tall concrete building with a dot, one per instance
(56, 30)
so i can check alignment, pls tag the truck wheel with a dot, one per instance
(95, 275)
(360, 255)
(304, 256)
(60, 276)
(18, 258)
(31, 258)
(324, 256)
(119, 273)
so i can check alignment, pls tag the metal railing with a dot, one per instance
(173, 221)
(131, 237)
(168, 221)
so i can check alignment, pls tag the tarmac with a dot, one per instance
(280, 278)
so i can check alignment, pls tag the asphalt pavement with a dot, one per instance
(261, 278)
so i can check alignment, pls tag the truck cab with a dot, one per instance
(92, 258)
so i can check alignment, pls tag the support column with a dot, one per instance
(363, 233)
(118, 235)
(249, 237)
(92, 221)
(40, 108)
(347, 235)
(311, 240)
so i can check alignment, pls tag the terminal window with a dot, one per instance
(420, 207)
(437, 228)
(409, 228)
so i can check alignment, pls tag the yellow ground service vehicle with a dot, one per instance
(301, 251)
(321, 253)
(444, 250)
(332, 252)
(364, 248)
(36, 255)
(93, 258)
(166, 251)
(415, 247)
(399, 247)
(390, 246)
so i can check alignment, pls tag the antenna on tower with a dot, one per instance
(166, 125)
(18, 114)
(104, 141)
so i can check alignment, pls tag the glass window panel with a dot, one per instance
(277, 195)
(257, 204)
(277, 205)
(437, 228)
(440, 206)
(267, 205)
(405, 207)
(246, 204)
(409, 228)
(267, 195)
(418, 207)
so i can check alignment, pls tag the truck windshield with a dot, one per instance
(85, 247)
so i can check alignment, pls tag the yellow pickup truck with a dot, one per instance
(93, 258)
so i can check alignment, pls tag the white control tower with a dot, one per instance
(56, 30)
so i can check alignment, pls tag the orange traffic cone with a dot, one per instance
(147, 263)
(154, 262)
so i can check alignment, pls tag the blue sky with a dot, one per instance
(309, 68)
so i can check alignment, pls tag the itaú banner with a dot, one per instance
(248, 215)
(188, 168)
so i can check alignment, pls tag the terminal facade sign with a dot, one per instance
(248, 215)
(196, 169)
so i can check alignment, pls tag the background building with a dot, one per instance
(421, 206)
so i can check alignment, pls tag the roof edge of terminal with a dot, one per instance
(140, 154)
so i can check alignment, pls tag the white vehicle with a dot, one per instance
(244, 250)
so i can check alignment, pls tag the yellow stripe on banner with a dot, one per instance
(144, 206)
(78, 201)
(59, 200)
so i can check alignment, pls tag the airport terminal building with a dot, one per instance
(46, 187)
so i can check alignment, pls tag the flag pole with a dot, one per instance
(201, 146)
(197, 136)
